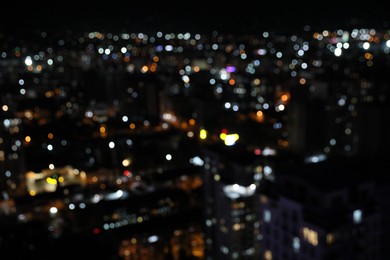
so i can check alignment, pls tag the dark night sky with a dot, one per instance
(237, 16)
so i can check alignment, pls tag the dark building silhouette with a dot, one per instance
(231, 222)
(331, 209)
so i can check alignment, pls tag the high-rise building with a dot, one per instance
(230, 198)
(321, 209)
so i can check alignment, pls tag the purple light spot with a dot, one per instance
(230, 69)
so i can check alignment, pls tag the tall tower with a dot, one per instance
(230, 211)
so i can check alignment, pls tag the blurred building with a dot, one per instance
(317, 210)
(230, 212)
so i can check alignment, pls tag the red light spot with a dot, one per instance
(96, 231)
(224, 131)
(127, 173)
(257, 151)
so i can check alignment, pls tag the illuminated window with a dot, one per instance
(267, 216)
(329, 238)
(296, 244)
(268, 255)
(357, 216)
(310, 236)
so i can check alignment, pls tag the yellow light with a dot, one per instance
(132, 126)
(50, 136)
(32, 192)
(153, 68)
(126, 162)
(257, 82)
(61, 179)
(268, 255)
(27, 139)
(102, 129)
(368, 56)
(236, 227)
(222, 136)
(259, 113)
(49, 94)
(232, 82)
(192, 121)
(311, 236)
(5, 108)
(284, 97)
(144, 69)
(196, 69)
(51, 181)
(302, 81)
(156, 58)
(203, 134)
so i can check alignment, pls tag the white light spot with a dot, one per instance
(197, 161)
(50, 62)
(267, 216)
(227, 105)
(71, 206)
(107, 51)
(89, 114)
(168, 157)
(281, 107)
(267, 170)
(123, 50)
(21, 82)
(388, 43)
(366, 45)
(125, 119)
(51, 166)
(28, 61)
(357, 216)
(111, 145)
(50, 147)
(185, 79)
(152, 239)
(341, 102)
(53, 210)
(22, 91)
(169, 48)
(338, 52)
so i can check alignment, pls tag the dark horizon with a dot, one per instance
(240, 20)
